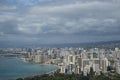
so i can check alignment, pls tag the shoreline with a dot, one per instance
(23, 59)
(52, 71)
(44, 64)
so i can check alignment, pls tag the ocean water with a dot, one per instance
(12, 68)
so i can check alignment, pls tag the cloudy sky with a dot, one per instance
(59, 21)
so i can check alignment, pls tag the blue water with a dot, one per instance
(12, 68)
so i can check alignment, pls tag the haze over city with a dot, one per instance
(58, 21)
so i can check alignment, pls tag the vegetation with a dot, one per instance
(60, 76)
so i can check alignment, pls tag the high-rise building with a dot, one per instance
(96, 64)
(104, 65)
(71, 59)
(118, 67)
(79, 61)
(85, 62)
(38, 58)
(117, 52)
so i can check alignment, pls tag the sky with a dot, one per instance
(58, 21)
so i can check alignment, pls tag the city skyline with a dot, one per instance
(58, 21)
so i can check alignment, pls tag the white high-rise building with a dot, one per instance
(71, 59)
(118, 61)
(118, 67)
(104, 65)
(63, 69)
(85, 62)
(96, 65)
(38, 59)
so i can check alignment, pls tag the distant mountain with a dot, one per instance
(102, 44)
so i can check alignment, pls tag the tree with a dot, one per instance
(84, 78)
(91, 72)
(19, 79)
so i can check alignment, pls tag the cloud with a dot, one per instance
(76, 17)
(8, 27)
(60, 21)
(7, 8)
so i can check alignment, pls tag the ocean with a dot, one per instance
(12, 68)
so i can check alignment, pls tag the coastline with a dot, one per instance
(52, 71)
(44, 64)
(50, 68)
(23, 59)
